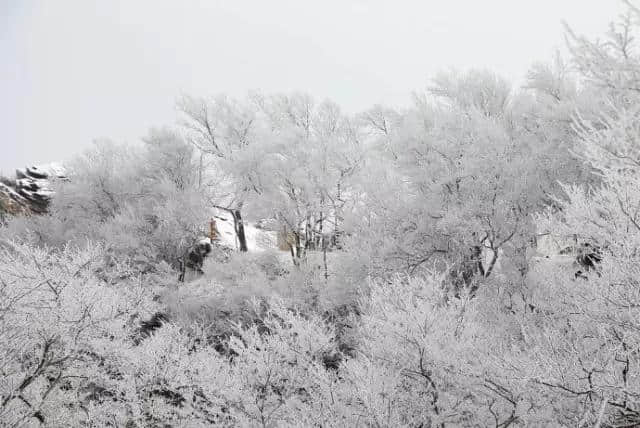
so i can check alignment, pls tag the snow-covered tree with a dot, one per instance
(140, 202)
(58, 324)
(227, 131)
(312, 153)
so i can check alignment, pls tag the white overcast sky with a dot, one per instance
(73, 71)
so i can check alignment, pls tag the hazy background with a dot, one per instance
(73, 71)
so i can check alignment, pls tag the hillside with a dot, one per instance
(273, 260)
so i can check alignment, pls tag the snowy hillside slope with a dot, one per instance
(258, 239)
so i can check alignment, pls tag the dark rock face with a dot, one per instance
(193, 260)
(11, 202)
(147, 327)
(31, 190)
(197, 254)
(588, 257)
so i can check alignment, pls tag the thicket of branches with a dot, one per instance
(415, 294)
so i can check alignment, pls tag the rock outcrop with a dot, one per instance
(30, 191)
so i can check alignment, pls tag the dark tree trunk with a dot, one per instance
(300, 250)
(200, 169)
(239, 228)
(183, 269)
(492, 263)
(323, 243)
(308, 235)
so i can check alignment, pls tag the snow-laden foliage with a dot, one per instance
(58, 324)
(592, 332)
(408, 290)
(141, 203)
(68, 357)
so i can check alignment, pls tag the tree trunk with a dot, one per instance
(324, 260)
(293, 255)
(200, 167)
(320, 237)
(239, 228)
(335, 239)
(300, 252)
(323, 243)
(492, 263)
(308, 235)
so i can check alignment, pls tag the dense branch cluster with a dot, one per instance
(470, 260)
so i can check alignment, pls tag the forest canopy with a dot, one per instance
(469, 260)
